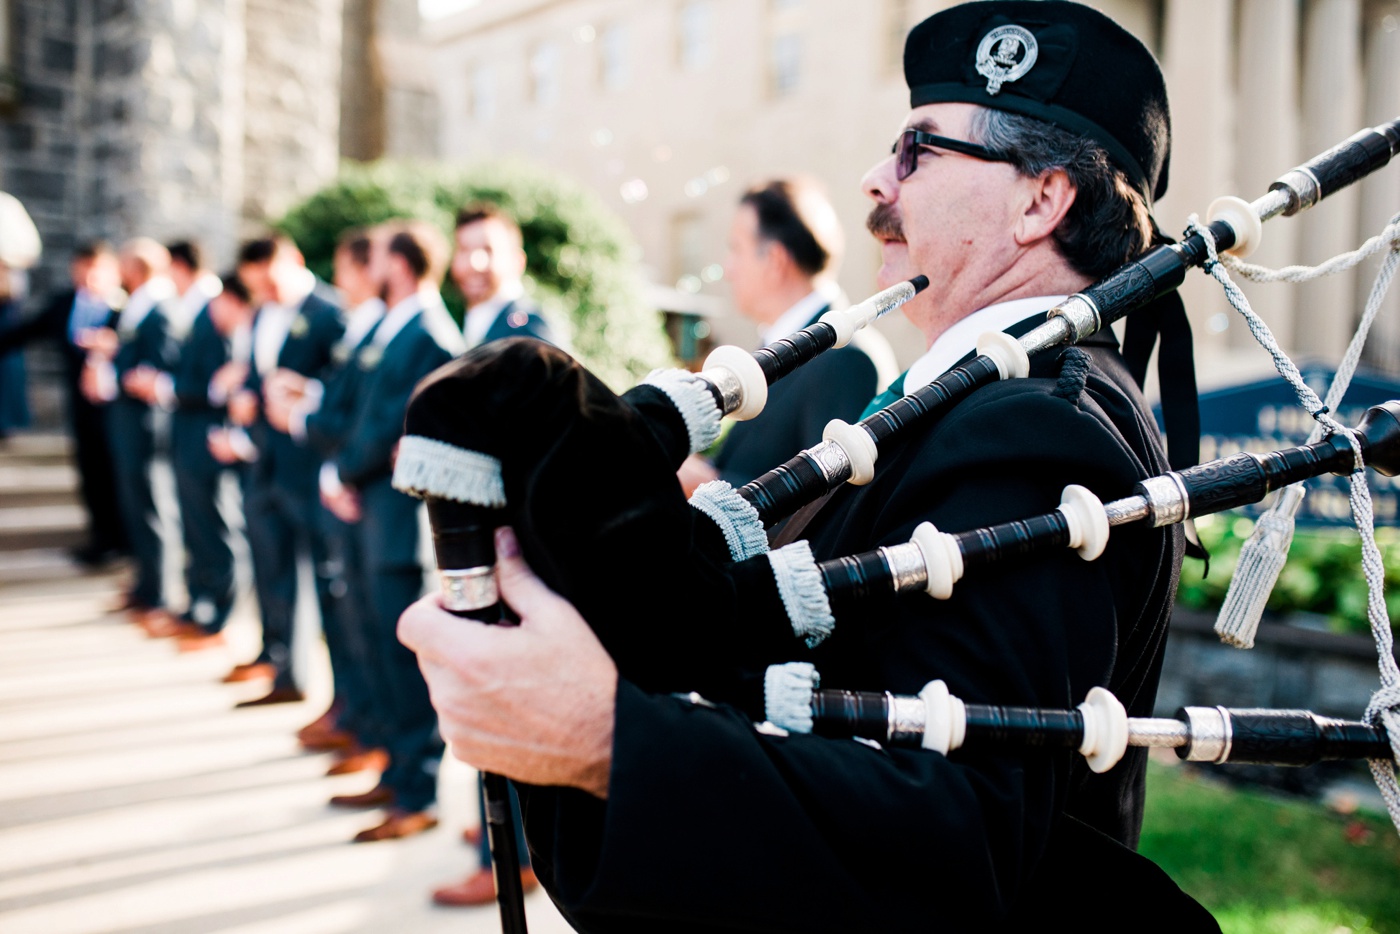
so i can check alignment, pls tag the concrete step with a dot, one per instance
(40, 449)
(23, 528)
(38, 485)
(37, 564)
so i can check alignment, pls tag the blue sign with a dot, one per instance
(1265, 416)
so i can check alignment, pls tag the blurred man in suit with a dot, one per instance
(785, 245)
(487, 265)
(297, 328)
(415, 337)
(62, 322)
(115, 375)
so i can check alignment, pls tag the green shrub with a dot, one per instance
(581, 261)
(1323, 573)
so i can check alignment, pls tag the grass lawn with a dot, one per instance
(1269, 865)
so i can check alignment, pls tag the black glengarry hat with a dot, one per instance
(1055, 60)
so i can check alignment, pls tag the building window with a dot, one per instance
(613, 68)
(696, 35)
(544, 74)
(784, 46)
(483, 92)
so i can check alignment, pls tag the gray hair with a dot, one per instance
(1109, 222)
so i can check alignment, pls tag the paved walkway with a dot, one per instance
(134, 798)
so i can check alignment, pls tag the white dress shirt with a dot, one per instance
(481, 316)
(955, 343)
(797, 317)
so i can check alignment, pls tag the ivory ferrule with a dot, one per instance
(469, 588)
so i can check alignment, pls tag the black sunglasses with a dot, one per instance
(906, 150)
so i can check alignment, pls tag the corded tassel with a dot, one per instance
(1261, 560)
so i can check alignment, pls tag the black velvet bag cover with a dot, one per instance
(591, 491)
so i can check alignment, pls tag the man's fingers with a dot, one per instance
(520, 588)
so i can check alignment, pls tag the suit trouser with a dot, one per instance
(389, 538)
(93, 454)
(132, 442)
(282, 524)
(347, 621)
(208, 557)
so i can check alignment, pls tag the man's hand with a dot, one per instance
(532, 702)
(221, 448)
(243, 408)
(227, 380)
(343, 503)
(694, 471)
(99, 342)
(140, 383)
(90, 383)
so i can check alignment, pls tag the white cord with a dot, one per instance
(1385, 703)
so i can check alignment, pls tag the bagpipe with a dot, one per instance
(686, 596)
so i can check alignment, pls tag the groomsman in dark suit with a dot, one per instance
(415, 337)
(62, 322)
(785, 245)
(318, 413)
(119, 362)
(198, 404)
(298, 325)
(488, 265)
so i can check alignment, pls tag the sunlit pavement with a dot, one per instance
(133, 797)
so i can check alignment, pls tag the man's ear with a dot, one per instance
(1049, 198)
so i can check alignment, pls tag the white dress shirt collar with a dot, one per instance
(403, 312)
(139, 305)
(955, 343)
(301, 283)
(360, 319)
(797, 317)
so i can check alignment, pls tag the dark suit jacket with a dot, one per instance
(308, 350)
(201, 355)
(150, 344)
(836, 384)
(712, 825)
(386, 379)
(519, 319)
(327, 426)
(51, 324)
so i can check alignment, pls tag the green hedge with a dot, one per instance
(1323, 573)
(581, 259)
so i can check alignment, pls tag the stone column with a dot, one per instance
(1266, 145)
(1380, 194)
(1197, 56)
(1332, 111)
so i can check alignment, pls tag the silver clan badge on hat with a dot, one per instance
(1005, 54)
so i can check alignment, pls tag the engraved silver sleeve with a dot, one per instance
(831, 460)
(1128, 509)
(1082, 314)
(1158, 732)
(1303, 188)
(907, 717)
(1168, 499)
(1210, 734)
(906, 563)
(730, 389)
(469, 589)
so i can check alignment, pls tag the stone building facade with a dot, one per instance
(671, 108)
(183, 118)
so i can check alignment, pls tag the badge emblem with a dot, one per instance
(1004, 55)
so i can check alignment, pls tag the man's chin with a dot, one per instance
(895, 266)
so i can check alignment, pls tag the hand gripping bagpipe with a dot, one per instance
(518, 433)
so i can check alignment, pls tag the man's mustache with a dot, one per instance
(884, 223)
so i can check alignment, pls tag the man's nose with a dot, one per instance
(879, 183)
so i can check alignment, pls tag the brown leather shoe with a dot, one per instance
(399, 823)
(251, 671)
(160, 624)
(360, 759)
(274, 696)
(328, 741)
(479, 889)
(325, 723)
(199, 641)
(471, 836)
(377, 797)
